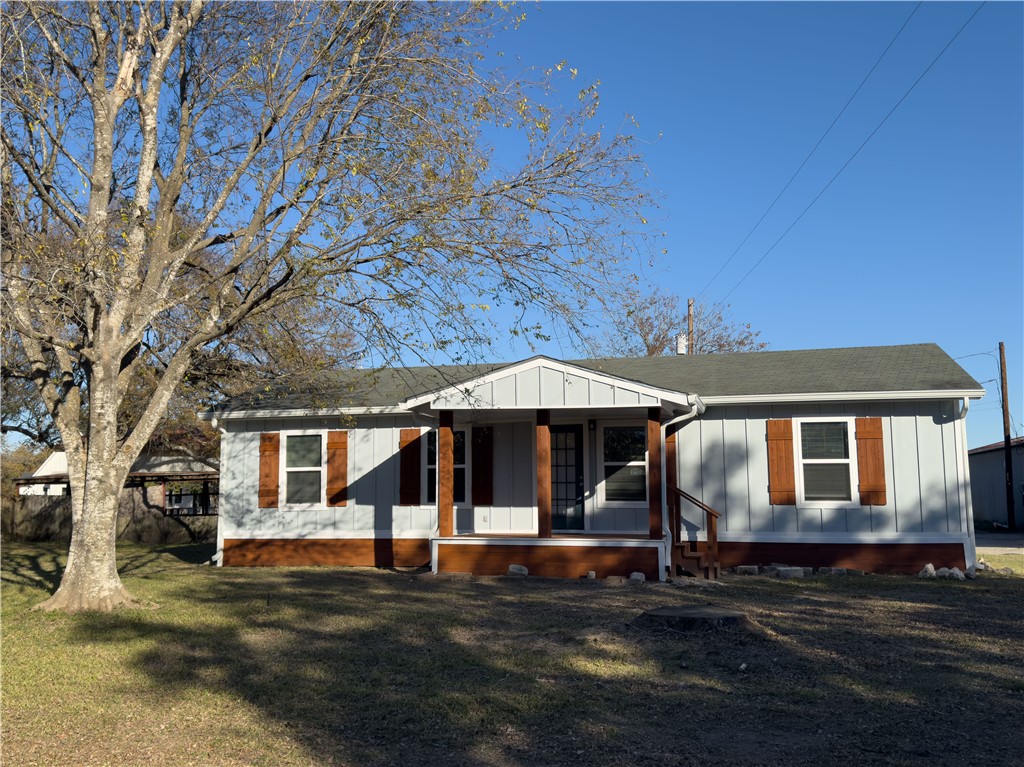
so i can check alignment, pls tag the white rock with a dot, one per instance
(927, 572)
(943, 572)
(746, 570)
(957, 574)
(517, 570)
(970, 573)
(791, 572)
(743, 667)
(591, 575)
(638, 577)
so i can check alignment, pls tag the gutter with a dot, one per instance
(854, 396)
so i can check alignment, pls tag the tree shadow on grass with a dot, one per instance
(372, 668)
(37, 566)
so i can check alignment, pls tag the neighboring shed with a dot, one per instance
(988, 483)
(166, 499)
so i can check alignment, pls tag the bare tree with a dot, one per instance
(647, 323)
(176, 174)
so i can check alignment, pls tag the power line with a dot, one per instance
(853, 156)
(813, 150)
(978, 354)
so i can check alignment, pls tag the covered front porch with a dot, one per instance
(563, 470)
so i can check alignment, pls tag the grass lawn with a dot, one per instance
(318, 666)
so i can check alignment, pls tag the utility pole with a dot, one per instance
(689, 327)
(1011, 517)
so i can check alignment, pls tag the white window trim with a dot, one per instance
(602, 502)
(425, 466)
(283, 470)
(798, 462)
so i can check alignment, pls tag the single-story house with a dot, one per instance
(988, 483)
(662, 465)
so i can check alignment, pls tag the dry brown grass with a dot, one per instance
(362, 667)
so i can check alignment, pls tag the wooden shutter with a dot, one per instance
(409, 443)
(337, 468)
(270, 477)
(871, 461)
(781, 474)
(483, 466)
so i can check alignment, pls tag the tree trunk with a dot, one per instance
(96, 475)
(90, 580)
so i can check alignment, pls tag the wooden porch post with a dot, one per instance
(654, 472)
(446, 474)
(672, 478)
(543, 474)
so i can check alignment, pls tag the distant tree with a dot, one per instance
(647, 323)
(176, 177)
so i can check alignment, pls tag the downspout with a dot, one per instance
(970, 547)
(218, 557)
(697, 407)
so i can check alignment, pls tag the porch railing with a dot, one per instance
(681, 550)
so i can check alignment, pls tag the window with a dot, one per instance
(826, 463)
(459, 461)
(624, 456)
(303, 469)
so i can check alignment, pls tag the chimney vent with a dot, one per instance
(681, 344)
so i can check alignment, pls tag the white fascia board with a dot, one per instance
(856, 396)
(666, 395)
(236, 415)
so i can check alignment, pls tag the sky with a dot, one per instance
(919, 238)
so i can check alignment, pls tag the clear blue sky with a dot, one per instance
(920, 238)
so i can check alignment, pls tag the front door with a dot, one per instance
(567, 477)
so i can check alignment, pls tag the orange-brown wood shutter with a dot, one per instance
(270, 478)
(871, 461)
(781, 474)
(483, 466)
(409, 467)
(337, 468)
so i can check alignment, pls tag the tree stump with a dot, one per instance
(691, 618)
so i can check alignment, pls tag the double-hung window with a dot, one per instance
(825, 461)
(459, 461)
(303, 470)
(624, 464)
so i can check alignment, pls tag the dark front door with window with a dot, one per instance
(567, 477)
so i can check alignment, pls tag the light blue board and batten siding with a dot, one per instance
(373, 485)
(547, 387)
(723, 460)
(373, 482)
(513, 483)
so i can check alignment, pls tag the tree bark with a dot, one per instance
(90, 580)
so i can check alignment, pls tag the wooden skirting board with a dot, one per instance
(869, 557)
(354, 552)
(575, 561)
(548, 561)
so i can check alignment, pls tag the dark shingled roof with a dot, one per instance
(915, 367)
